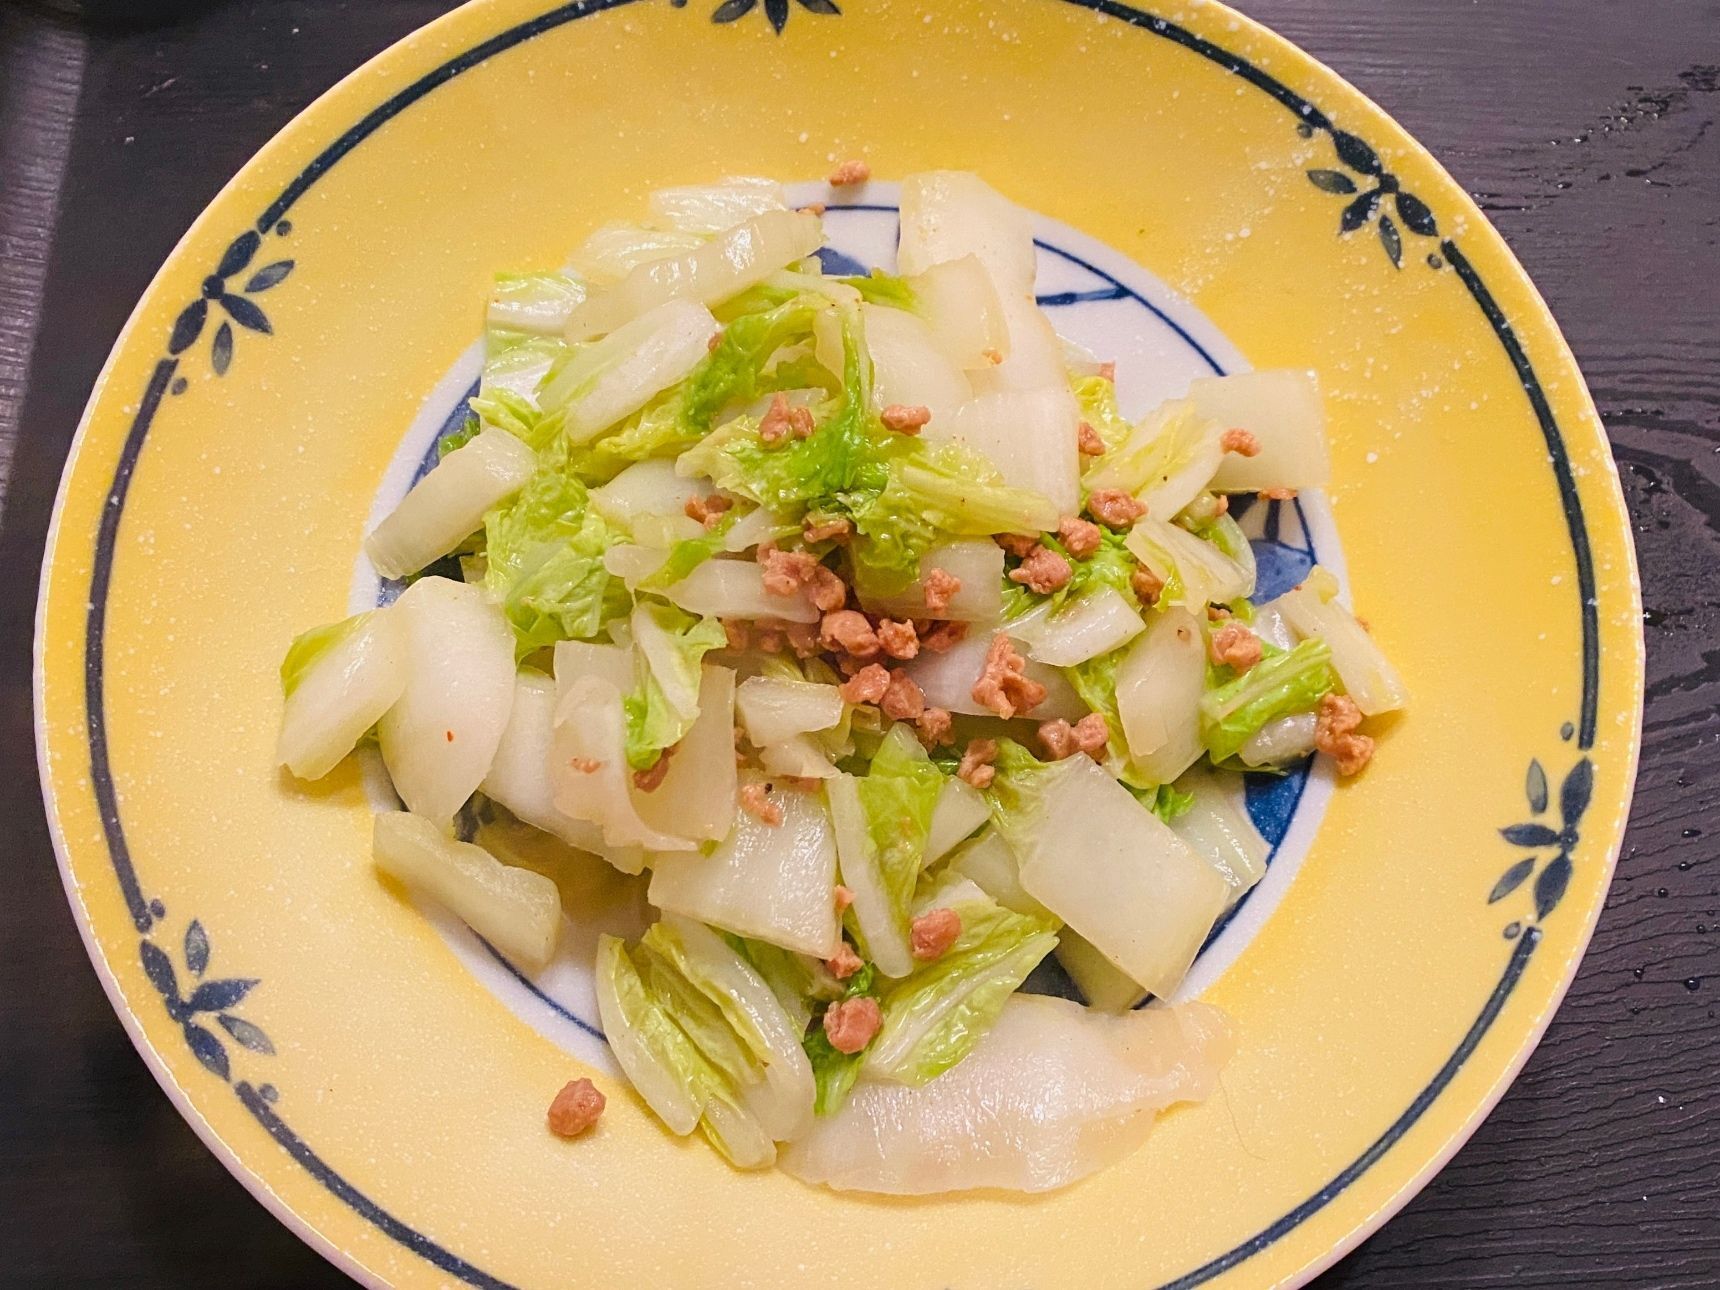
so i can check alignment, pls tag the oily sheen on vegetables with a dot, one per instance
(852, 627)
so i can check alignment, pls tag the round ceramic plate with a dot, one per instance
(1208, 198)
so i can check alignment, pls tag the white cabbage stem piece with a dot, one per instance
(515, 910)
(797, 757)
(1314, 613)
(1096, 623)
(774, 883)
(1159, 686)
(589, 766)
(1280, 742)
(1028, 435)
(447, 505)
(1113, 871)
(720, 588)
(724, 266)
(1104, 986)
(342, 695)
(711, 208)
(961, 809)
(651, 489)
(1167, 460)
(949, 214)
(908, 366)
(612, 378)
(1217, 828)
(773, 708)
(697, 796)
(947, 680)
(960, 305)
(518, 777)
(1052, 1093)
(989, 863)
(882, 926)
(441, 734)
(976, 563)
(615, 250)
(1284, 413)
(1174, 555)
(1035, 354)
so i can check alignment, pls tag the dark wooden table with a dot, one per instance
(1588, 129)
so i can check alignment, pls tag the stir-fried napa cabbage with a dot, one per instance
(933, 1015)
(338, 681)
(1052, 1093)
(882, 820)
(851, 626)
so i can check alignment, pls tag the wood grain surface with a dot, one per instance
(1590, 132)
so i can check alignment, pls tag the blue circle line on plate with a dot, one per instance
(165, 369)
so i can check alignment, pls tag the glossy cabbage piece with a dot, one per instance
(781, 1096)
(1159, 686)
(1052, 1093)
(947, 679)
(1103, 985)
(976, 563)
(1112, 870)
(441, 734)
(519, 776)
(882, 821)
(589, 767)
(960, 810)
(774, 883)
(959, 302)
(600, 383)
(448, 504)
(1314, 612)
(516, 910)
(352, 673)
(710, 272)
(1283, 411)
(1217, 828)
(908, 366)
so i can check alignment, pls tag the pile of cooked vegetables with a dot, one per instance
(850, 615)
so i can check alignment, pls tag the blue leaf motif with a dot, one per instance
(1529, 835)
(1356, 154)
(239, 254)
(159, 970)
(244, 1032)
(217, 996)
(821, 6)
(1331, 181)
(1416, 216)
(188, 326)
(1392, 242)
(1510, 880)
(729, 10)
(221, 352)
(1536, 787)
(777, 12)
(196, 948)
(246, 314)
(1550, 886)
(269, 275)
(1359, 212)
(207, 1049)
(1575, 792)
